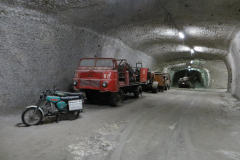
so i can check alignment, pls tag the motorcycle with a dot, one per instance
(53, 103)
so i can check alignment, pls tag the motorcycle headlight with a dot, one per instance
(104, 84)
(75, 82)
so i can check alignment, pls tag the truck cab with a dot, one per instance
(109, 77)
(96, 74)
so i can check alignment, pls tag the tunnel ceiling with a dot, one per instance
(208, 25)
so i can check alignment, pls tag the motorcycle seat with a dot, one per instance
(80, 94)
(64, 94)
(69, 98)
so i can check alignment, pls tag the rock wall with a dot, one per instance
(218, 74)
(37, 52)
(119, 50)
(233, 65)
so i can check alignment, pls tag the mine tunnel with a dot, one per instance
(42, 42)
(190, 74)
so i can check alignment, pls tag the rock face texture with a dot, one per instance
(43, 40)
(218, 74)
(38, 52)
(233, 66)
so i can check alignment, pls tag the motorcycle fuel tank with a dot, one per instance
(61, 105)
(60, 93)
(53, 99)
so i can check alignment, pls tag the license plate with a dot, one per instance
(75, 105)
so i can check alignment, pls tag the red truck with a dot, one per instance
(110, 78)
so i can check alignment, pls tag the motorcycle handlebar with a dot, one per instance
(51, 91)
(46, 91)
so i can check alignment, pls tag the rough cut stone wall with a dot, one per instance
(119, 50)
(233, 67)
(37, 52)
(218, 74)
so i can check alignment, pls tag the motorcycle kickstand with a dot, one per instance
(57, 120)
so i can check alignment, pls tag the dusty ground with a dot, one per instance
(178, 124)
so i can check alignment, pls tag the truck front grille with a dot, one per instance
(95, 83)
(91, 83)
(85, 83)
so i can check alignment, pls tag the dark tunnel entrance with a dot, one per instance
(199, 83)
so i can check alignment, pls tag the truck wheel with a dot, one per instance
(155, 87)
(154, 90)
(161, 88)
(138, 93)
(116, 98)
(165, 87)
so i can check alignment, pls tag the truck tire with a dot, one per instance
(165, 87)
(154, 90)
(161, 88)
(138, 93)
(116, 98)
(155, 87)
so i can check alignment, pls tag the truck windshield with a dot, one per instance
(87, 62)
(104, 63)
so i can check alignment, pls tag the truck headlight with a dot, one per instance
(104, 84)
(75, 82)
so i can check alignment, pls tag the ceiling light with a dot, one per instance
(210, 50)
(192, 51)
(181, 35)
(191, 62)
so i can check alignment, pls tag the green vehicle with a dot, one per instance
(53, 103)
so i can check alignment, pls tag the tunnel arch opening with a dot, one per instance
(214, 72)
(199, 81)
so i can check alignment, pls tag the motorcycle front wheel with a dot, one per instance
(71, 115)
(31, 116)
